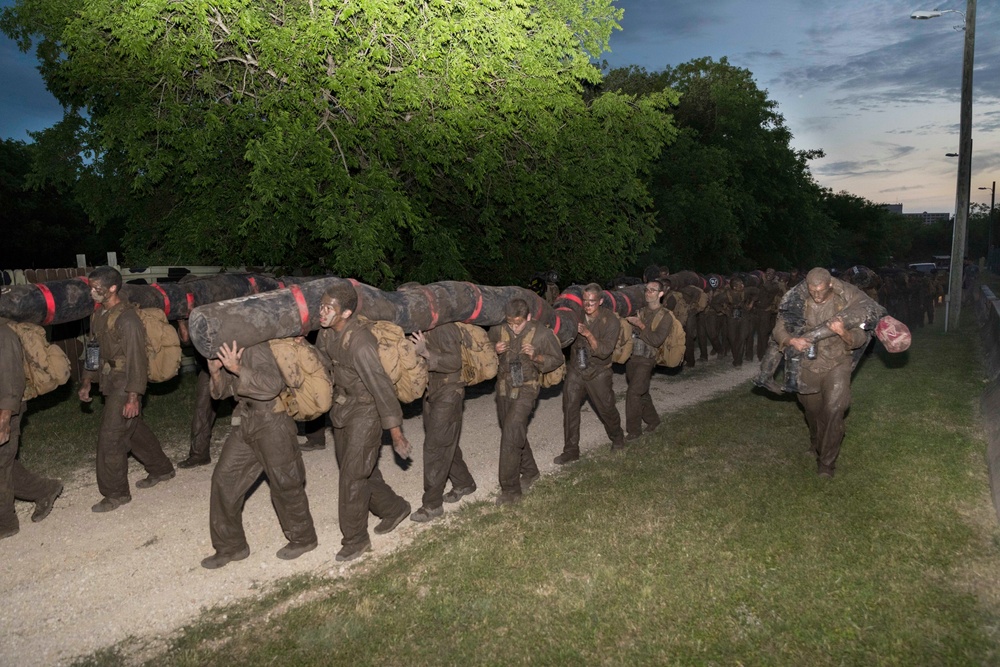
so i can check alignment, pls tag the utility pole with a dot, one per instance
(953, 305)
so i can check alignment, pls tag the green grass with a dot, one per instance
(59, 433)
(713, 542)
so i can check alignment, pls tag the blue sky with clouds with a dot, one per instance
(876, 90)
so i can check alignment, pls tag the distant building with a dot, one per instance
(928, 218)
(924, 218)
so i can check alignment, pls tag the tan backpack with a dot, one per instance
(479, 356)
(46, 366)
(406, 369)
(163, 346)
(671, 352)
(309, 390)
(545, 380)
(623, 346)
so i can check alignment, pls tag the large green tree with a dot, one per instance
(43, 227)
(375, 138)
(865, 232)
(731, 193)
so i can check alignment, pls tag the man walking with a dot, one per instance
(264, 442)
(651, 326)
(122, 374)
(16, 481)
(525, 350)
(364, 404)
(825, 381)
(442, 413)
(589, 375)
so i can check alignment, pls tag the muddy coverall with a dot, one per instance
(442, 412)
(123, 371)
(588, 375)
(766, 314)
(739, 323)
(639, 406)
(364, 404)
(203, 418)
(715, 321)
(15, 480)
(264, 442)
(825, 382)
(515, 404)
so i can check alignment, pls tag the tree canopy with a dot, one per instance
(731, 193)
(378, 139)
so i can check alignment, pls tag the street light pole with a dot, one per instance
(989, 227)
(953, 303)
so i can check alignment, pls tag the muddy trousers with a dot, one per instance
(702, 335)
(117, 438)
(763, 324)
(362, 489)
(825, 412)
(740, 337)
(715, 330)
(598, 389)
(203, 418)
(690, 339)
(638, 403)
(264, 443)
(516, 457)
(442, 411)
(16, 481)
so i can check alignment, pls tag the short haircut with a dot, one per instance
(344, 294)
(651, 272)
(818, 276)
(593, 288)
(516, 307)
(659, 283)
(108, 276)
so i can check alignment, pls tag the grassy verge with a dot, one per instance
(712, 542)
(59, 433)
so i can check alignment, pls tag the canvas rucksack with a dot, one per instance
(479, 356)
(623, 346)
(46, 366)
(309, 388)
(671, 352)
(163, 346)
(545, 380)
(406, 369)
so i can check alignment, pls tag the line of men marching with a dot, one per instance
(365, 405)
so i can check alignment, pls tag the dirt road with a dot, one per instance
(80, 581)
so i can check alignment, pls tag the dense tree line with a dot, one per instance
(419, 141)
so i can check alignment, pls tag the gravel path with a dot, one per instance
(79, 581)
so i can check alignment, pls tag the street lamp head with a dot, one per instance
(951, 154)
(985, 188)
(925, 14)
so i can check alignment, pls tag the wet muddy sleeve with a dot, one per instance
(657, 329)
(260, 379)
(548, 354)
(226, 385)
(605, 330)
(379, 385)
(780, 332)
